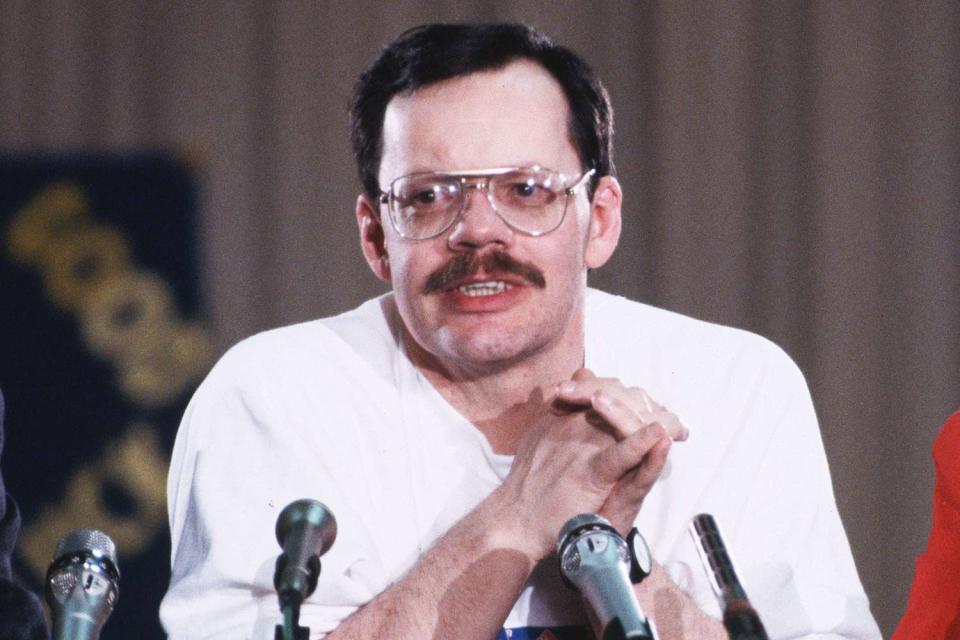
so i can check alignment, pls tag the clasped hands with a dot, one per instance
(597, 447)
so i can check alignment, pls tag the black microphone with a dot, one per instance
(82, 584)
(595, 561)
(739, 617)
(306, 530)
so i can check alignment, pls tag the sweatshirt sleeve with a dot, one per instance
(254, 438)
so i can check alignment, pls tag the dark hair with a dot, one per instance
(431, 53)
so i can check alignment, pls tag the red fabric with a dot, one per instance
(933, 609)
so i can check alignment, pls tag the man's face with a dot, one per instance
(513, 117)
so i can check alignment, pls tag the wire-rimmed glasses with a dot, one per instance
(531, 200)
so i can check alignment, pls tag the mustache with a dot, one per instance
(466, 264)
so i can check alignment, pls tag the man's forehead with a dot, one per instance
(517, 114)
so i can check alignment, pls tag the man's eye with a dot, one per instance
(528, 193)
(525, 189)
(427, 196)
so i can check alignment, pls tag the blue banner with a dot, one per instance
(100, 349)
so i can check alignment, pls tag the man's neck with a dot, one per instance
(503, 399)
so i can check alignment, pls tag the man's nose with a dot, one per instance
(478, 223)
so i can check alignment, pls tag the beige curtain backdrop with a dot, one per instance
(789, 168)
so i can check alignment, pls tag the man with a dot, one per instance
(456, 423)
(21, 614)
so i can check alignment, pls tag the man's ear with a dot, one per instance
(604, 231)
(371, 237)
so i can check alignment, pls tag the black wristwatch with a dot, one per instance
(641, 562)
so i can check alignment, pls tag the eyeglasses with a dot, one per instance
(531, 200)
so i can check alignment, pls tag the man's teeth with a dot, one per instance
(490, 288)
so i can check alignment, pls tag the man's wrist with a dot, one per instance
(673, 611)
(509, 527)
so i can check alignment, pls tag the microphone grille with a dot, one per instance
(61, 583)
(717, 562)
(87, 540)
(578, 523)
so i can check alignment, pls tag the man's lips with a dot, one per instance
(485, 284)
(472, 274)
(485, 288)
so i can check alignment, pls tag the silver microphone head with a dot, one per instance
(595, 562)
(90, 541)
(82, 583)
(306, 529)
(313, 516)
(596, 531)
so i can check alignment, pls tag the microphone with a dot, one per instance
(739, 617)
(595, 561)
(305, 530)
(82, 584)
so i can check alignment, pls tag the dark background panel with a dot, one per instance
(80, 449)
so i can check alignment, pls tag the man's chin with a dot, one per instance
(485, 353)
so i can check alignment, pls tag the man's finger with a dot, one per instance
(671, 424)
(623, 504)
(624, 420)
(636, 484)
(575, 393)
(621, 419)
(581, 386)
(611, 463)
(584, 390)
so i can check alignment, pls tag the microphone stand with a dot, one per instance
(291, 629)
(740, 619)
(306, 530)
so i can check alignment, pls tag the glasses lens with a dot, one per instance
(530, 199)
(422, 205)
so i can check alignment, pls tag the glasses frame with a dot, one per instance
(473, 179)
